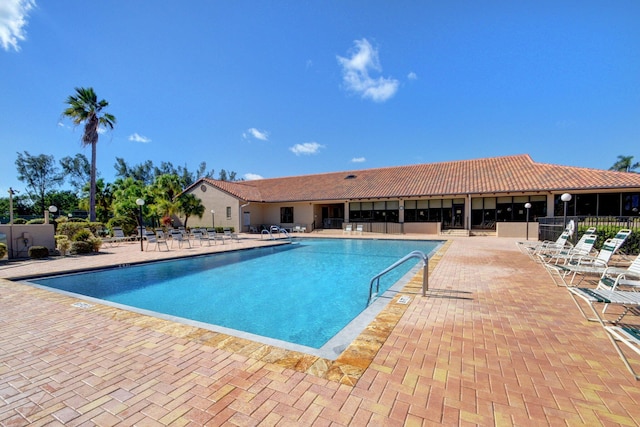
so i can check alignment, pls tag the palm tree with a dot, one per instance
(624, 164)
(84, 107)
(190, 205)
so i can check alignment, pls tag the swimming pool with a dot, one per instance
(304, 293)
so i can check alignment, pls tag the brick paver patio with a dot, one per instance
(494, 343)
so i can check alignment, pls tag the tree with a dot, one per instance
(104, 200)
(84, 107)
(66, 201)
(126, 211)
(77, 170)
(165, 189)
(624, 164)
(190, 205)
(142, 172)
(40, 173)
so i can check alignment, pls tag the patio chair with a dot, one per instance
(201, 236)
(176, 236)
(228, 235)
(618, 332)
(614, 277)
(621, 237)
(347, 229)
(534, 248)
(213, 236)
(118, 236)
(359, 229)
(152, 238)
(628, 335)
(582, 265)
(583, 247)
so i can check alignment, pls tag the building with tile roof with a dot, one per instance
(480, 194)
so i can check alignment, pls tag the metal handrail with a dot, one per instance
(414, 254)
(278, 229)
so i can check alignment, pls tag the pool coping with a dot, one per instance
(346, 369)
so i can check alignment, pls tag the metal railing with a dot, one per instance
(551, 227)
(415, 254)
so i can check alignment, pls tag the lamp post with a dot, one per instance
(140, 203)
(11, 193)
(53, 210)
(565, 198)
(213, 218)
(527, 206)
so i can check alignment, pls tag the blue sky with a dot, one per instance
(282, 88)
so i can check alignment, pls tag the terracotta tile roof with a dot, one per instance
(506, 174)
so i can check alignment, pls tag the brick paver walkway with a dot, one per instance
(494, 343)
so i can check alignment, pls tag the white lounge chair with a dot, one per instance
(534, 248)
(118, 236)
(347, 229)
(617, 331)
(359, 229)
(615, 277)
(582, 265)
(583, 247)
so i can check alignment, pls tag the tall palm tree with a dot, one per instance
(84, 107)
(624, 164)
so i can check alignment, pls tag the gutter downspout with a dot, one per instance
(240, 218)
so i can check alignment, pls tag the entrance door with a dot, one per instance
(332, 216)
(458, 215)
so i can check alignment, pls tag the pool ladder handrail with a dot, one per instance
(414, 254)
(278, 229)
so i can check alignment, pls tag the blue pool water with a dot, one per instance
(302, 293)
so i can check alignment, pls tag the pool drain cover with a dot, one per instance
(82, 305)
(404, 300)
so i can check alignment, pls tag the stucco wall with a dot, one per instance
(21, 237)
(422, 227)
(517, 229)
(218, 201)
(302, 214)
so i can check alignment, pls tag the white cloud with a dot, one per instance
(306, 148)
(13, 20)
(252, 176)
(355, 73)
(135, 137)
(257, 134)
(358, 160)
(412, 76)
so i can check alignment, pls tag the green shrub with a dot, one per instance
(76, 219)
(63, 244)
(79, 248)
(36, 221)
(38, 252)
(221, 229)
(3, 250)
(96, 243)
(82, 236)
(19, 221)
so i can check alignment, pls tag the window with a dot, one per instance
(630, 204)
(228, 212)
(286, 215)
(374, 211)
(422, 210)
(609, 204)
